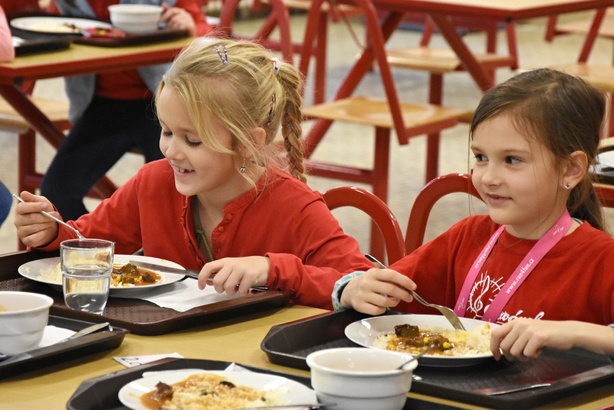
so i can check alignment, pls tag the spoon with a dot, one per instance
(48, 215)
(416, 357)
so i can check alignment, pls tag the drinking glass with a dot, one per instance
(86, 273)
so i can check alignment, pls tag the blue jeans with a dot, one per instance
(6, 200)
(107, 130)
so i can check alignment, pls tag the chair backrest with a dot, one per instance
(426, 199)
(376, 209)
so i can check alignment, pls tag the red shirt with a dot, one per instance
(128, 85)
(286, 221)
(574, 280)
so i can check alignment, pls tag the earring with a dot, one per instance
(243, 167)
(567, 186)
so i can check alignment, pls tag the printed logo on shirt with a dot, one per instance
(483, 293)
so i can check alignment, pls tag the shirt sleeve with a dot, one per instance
(321, 254)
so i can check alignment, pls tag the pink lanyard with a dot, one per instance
(539, 250)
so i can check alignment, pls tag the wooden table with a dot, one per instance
(237, 340)
(77, 59)
(440, 11)
(234, 340)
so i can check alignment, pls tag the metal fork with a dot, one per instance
(446, 311)
(48, 215)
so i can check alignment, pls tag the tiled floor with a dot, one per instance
(351, 144)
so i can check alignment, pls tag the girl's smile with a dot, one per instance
(517, 178)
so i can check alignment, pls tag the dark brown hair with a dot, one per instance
(562, 112)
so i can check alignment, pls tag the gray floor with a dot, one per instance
(352, 144)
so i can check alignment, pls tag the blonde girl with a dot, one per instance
(222, 201)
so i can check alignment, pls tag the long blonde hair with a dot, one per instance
(241, 86)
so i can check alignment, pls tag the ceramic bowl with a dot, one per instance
(361, 378)
(135, 18)
(23, 317)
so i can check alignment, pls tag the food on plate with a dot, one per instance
(411, 339)
(123, 275)
(3, 309)
(49, 26)
(130, 275)
(207, 391)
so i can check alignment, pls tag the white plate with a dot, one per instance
(365, 331)
(32, 270)
(290, 391)
(56, 25)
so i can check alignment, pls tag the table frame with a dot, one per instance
(439, 11)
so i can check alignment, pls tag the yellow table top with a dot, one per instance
(237, 340)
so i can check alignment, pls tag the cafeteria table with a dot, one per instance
(75, 60)
(237, 340)
(382, 17)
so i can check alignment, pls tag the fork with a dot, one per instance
(48, 215)
(446, 311)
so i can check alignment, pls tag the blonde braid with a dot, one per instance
(291, 129)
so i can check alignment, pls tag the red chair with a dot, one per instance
(451, 183)
(426, 199)
(381, 216)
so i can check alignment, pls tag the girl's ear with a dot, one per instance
(258, 135)
(575, 169)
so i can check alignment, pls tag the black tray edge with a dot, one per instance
(70, 350)
(514, 401)
(101, 392)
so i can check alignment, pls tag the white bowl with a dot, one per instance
(135, 18)
(361, 379)
(23, 318)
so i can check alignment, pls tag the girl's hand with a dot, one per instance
(236, 275)
(33, 228)
(377, 289)
(523, 339)
(178, 19)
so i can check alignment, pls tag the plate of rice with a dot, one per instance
(48, 271)
(212, 390)
(410, 334)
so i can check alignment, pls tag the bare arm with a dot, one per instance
(524, 339)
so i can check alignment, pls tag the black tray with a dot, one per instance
(66, 351)
(138, 316)
(569, 372)
(28, 47)
(47, 41)
(100, 393)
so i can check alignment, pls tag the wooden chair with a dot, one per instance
(438, 62)
(426, 199)
(601, 76)
(582, 26)
(381, 216)
(419, 119)
(451, 183)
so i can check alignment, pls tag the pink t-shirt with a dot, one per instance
(7, 52)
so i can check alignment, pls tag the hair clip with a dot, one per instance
(224, 57)
(276, 64)
(271, 110)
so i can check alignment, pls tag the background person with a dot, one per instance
(111, 113)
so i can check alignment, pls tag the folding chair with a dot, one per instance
(387, 226)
